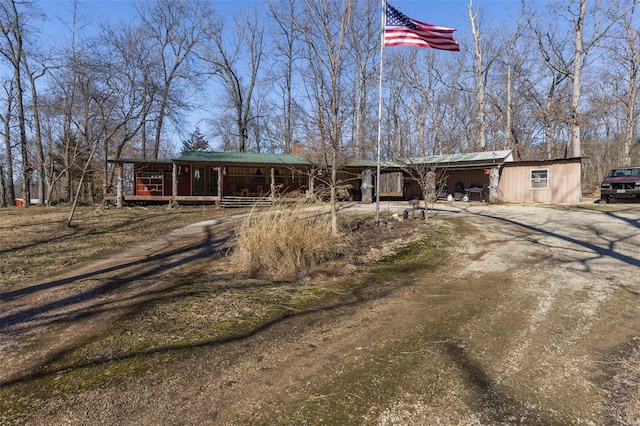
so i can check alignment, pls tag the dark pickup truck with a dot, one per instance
(622, 183)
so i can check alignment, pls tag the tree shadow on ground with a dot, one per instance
(338, 304)
(597, 250)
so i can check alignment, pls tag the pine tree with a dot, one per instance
(196, 142)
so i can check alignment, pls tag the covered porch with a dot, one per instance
(210, 178)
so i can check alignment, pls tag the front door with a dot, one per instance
(199, 185)
(184, 179)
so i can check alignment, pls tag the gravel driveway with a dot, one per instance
(534, 319)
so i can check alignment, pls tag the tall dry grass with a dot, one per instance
(283, 243)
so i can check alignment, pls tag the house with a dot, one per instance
(207, 177)
(213, 177)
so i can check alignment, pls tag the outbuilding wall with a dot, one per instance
(564, 182)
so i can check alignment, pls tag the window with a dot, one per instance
(238, 174)
(635, 171)
(258, 176)
(539, 178)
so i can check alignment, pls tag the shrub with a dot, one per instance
(283, 243)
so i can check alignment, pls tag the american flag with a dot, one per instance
(400, 30)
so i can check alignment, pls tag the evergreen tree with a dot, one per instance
(196, 142)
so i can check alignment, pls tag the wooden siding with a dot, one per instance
(391, 184)
(564, 182)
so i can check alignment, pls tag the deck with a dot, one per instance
(226, 201)
(196, 199)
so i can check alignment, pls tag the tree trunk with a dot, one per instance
(163, 106)
(576, 149)
(548, 133)
(10, 194)
(507, 127)
(3, 200)
(40, 158)
(479, 81)
(630, 127)
(24, 150)
(17, 54)
(631, 120)
(334, 178)
(82, 175)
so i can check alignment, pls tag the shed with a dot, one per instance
(550, 181)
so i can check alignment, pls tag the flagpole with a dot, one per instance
(383, 21)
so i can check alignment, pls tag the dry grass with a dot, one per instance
(36, 242)
(197, 305)
(283, 243)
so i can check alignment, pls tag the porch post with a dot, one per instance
(366, 186)
(174, 183)
(119, 177)
(273, 183)
(220, 186)
(494, 181)
(312, 182)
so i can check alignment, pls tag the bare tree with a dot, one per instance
(91, 144)
(418, 93)
(364, 39)
(552, 44)
(286, 36)
(40, 163)
(601, 18)
(174, 29)
(480, 77)
(230, 67)
(428, 175)
(510, 136)
(67, 109)
(625, 52)
(576, 150)
(124, 68)
(325, 24)
(12, 27)
(394, 127)
(6, 118)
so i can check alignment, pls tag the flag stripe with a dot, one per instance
(413, 40)
(400, 30)
(397, 38)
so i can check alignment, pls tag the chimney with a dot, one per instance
(297, 148)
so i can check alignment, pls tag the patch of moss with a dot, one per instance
(17, 400)
(161, 329)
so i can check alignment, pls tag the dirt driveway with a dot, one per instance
(534, 319)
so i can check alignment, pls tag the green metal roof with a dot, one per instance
(472, 158)
(390, 164)
(459, 161)
(242, 158)
(140, 160)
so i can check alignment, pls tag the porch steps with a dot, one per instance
(238, 202)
